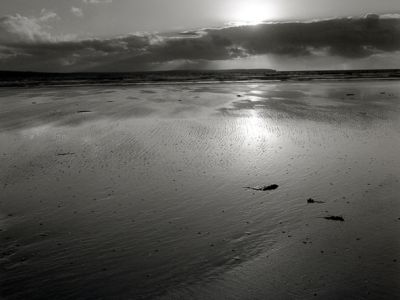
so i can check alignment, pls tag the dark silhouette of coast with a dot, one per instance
(27, 79)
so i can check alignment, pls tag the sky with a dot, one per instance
(140, 35)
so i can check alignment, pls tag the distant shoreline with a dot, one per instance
(33, 79)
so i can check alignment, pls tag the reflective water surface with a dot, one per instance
(137, 192)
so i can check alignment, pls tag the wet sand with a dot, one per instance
(138, 192)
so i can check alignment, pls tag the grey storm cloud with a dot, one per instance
(347, 37)
(25, 44)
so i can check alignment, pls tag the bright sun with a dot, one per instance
(253, 12)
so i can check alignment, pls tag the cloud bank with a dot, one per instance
(26, 44)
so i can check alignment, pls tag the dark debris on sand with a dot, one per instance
(335, 218)
(263, 188)
(65, 153)
(312, 201)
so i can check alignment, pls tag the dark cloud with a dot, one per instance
(344, 37)
(25, 43)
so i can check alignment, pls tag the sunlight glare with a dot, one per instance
(253, 12)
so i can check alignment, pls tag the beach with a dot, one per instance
(145, 191)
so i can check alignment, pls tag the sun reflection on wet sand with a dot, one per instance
(254, 128)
